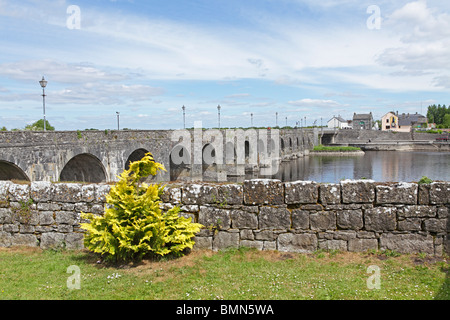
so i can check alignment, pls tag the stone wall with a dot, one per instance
(302, 216)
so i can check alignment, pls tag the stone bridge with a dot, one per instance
(99, 156)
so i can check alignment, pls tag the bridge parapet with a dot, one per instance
(99, 156)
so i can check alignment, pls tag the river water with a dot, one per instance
(381, 166)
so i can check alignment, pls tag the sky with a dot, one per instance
(306, 60)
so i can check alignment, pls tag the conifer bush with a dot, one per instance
(133, 224)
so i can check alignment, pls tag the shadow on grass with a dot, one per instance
(91, 258)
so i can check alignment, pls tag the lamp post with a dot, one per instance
(43, 84)
(184, 116)
(251, 117)
(118, 121)
(218, 111)
(276, 119)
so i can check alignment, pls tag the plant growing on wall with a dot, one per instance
(133, 224)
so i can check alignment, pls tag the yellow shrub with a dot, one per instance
(133, 225)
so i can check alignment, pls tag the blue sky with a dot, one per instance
(146, 59)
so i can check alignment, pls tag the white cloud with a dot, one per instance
(318, 103)
(33, 70)
(424, 47)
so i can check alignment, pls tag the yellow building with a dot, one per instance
(389, 121)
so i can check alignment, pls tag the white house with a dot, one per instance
(337, 122)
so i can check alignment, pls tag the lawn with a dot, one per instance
(235, 274)
(322, 148)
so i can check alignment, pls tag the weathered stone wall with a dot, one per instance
(302, 216)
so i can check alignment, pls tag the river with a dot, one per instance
(380, 166)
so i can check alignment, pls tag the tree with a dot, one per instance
(39, 126)
(446, 122)
(436, 113)
(133, 224)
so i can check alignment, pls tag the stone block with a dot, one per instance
(67, 192)
(65, 217)
(225, 240)
(19, 192)
(53, 240)
(41, 191)
(435, 225)
(400, 193)
(246, 234)
(215, 218)
(6, 215)
(323, 220)
(4, 190)
(74, 241)
(230, 194)
(5, 239)
(424, 194)
(380, 219)
(26, 228)
(358, 191)
(300, 243)
(26, 240)
(350, 219)
(333, 245)
(252, 244)
(274, 218)
(199, 194)
(330, 194)
(263, 191)
(361, 245)
(440, 193)
(442, 212)
(88, 193)
(269, 245)
(407, 243)
(244, 220)
(418, 211)
(101, 190)
(203, 243)
(300, 219)
(266, 235)
(171, 194)
(410, 224)
(302, 192)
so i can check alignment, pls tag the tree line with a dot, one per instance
(440, 115)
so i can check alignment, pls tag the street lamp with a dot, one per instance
(251, 115)
(184, 116)
(218, 111)
(276, 119)
(118, 121)
(43, 84)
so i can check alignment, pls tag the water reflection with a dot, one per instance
(376, 165)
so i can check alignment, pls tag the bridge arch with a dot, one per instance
(180, 161)
(10, 171)
(136, 155)
(84, 167)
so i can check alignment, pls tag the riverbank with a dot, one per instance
(322, 150)
(398, 146)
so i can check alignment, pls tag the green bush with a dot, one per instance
(133, 225)
(425, 180)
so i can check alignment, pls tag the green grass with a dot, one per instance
(242, 274)
(335, 148)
